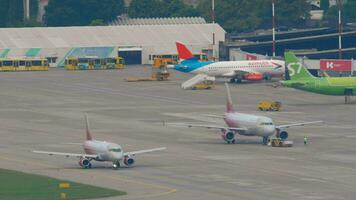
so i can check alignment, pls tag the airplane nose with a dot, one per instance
(270, 130)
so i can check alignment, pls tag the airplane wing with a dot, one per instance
(297, 124)
(210, 127)
(132, 153)
(66, 154)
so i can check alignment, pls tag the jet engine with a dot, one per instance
(85, 163)
(282, 134)
(129, 161)
(228, 136)
(253, 77)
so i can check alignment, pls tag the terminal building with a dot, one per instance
(138, 41)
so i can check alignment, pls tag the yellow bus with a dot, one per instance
(93, 63)
(24, 64)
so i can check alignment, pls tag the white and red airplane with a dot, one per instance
(101, 151)
(236, 71)
(246, 124)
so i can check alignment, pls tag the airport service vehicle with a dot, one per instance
(247, 125)
(300, 78)
(236, 71)
(102, 151)
(266, 105)
(93, 63)
(24, 64)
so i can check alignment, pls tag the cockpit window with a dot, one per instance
(266, 123)
(115, 150)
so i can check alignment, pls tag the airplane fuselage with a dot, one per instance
(229, 69)
(326, 85)
(256, 125)
(106, 151)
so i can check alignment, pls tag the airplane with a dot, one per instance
(300, 78)
(251, 70)
(101, 151)
(247, 125)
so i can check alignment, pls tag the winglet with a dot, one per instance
(229, 105)
(183, 52)
(87, 129)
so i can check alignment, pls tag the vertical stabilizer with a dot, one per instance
(183, 52)
(229, 105)
(295, 68)
(87, 129)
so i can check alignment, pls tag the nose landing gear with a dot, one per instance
(116, 165)
(265, 140)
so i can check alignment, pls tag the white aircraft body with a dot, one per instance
(247, 124)
(101, 151)
(252, 70)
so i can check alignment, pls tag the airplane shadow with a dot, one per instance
(238, 142)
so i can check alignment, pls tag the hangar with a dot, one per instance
(138, 42)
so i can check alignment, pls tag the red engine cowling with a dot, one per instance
(129, 161)
(85, 163)
(253, 77)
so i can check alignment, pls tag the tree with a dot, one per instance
(247, 15)
(324, 4)
(348, 12)
(15, 12)
(81, 12)
(145, 9)
(97, 22)
(160, 8)
(4, 12)
(33, 9)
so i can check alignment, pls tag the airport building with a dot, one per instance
(137, 41)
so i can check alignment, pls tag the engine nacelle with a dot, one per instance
(129, 161)
(253, 77)
(282, 134)
(228, 136)
(85, 163)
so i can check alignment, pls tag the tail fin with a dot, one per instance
(183, 52)
(87, 129)
(295, 68)
(229, 105)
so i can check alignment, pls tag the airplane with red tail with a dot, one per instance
(236, 71)
(101, 151)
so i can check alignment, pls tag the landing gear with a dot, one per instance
(231, 142)
(116, 165)
(265, 140)
(236, 79)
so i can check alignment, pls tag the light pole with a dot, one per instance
(213, 19)
(339, 2)
(26, 7)
(273, 31)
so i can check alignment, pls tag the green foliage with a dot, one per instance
(33, 9)
(20, 186)
(160, 8)
(242, 15)
(28, 23)
(4, 12)
(324, 4)
(14, 12)
(97, 22)
(81, 12)
(348, 12)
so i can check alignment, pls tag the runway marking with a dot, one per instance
(124, 179)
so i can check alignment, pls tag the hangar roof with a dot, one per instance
(89, 36)
(124, 20)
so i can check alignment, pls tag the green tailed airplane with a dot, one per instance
(300, 78)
